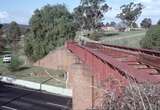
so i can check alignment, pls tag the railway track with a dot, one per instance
(140, 65)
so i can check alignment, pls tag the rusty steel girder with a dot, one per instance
(122, 63)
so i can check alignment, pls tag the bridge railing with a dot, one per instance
(104, 66)
(101, 70)
(150, 57)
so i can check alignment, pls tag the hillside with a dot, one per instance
(22, 27)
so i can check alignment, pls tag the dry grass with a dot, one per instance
(135, 97)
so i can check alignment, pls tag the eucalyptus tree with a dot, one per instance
(146, 23)
(89, 14)
(13, 35)
(1, 38)
(130, 13)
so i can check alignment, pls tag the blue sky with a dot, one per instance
(22, 10)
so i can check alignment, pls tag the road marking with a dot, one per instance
(53, 104)
(9, 108)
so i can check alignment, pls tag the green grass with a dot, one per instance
(1, 61)
(25, 73)
(129, 39)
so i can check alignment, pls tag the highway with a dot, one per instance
(18, 98)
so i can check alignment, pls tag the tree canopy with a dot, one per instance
(51, 26)
(130, 13)
(146, 23)
(1, 38)
(89, 14)
(158, 23)
(13, 35)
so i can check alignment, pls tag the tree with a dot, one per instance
(113, 24)
(121, 26)
(135, 25)
(90, 13)
(51, 26)
(152, 39)
(15, 64)
(107, 24)
(146, 23)
(13, 35)
(130, 13)
(158, 23)
(1, 38)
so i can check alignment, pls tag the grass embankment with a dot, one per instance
(129, 39)
(28, 72)
(36, 74)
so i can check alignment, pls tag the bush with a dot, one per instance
(97, 35)
(15, 64)
(135, 97)
(152, 39)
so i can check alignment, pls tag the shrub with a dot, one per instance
(158, 23)
(97, 35)
(152, 39)
(15, 64)
(135, 97)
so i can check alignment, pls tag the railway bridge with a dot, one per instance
(93, 68)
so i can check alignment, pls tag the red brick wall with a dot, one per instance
(58, 59)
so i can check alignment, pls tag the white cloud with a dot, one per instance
(151, 9)
(3, 15)
(20, 17)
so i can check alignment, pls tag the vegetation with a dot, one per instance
(129, 39)
(135, 25)
(121, 26)
(130, 13)
(2, 45)
(15, 64)
(13, 36)
(88, 15)
(134, 97)
(36, 74)
(51, 26)
(113, 24)
(158, 23)
(98, 35)
(152, 39)
(146, 23)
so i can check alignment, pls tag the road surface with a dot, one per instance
(17, 98)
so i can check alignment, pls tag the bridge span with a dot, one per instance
(139, 65)
(93, 69)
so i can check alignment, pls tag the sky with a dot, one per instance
(22, 10)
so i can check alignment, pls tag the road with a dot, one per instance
(18, 98)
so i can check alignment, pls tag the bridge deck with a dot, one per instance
(135, 64)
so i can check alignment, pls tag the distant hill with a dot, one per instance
(22, 27)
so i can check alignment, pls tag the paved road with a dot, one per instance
(18, 98)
